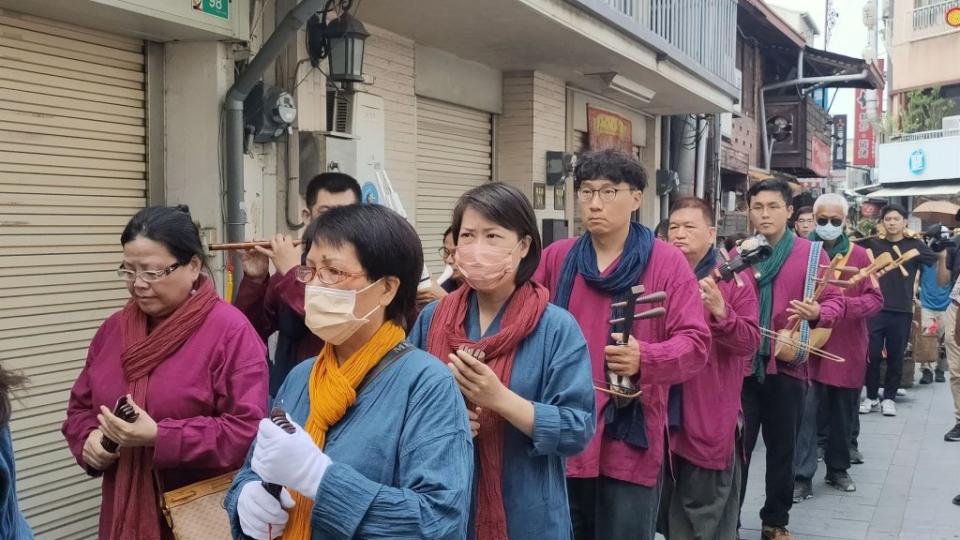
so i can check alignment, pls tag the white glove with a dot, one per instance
(289, 459)
(261, 516)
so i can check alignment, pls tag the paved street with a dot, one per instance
(904, 489)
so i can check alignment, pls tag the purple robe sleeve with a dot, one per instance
(240, 388)
(684, 352)
(81, 414)
(866, 302)
(285, 288)
(739, 333)
(251, 301)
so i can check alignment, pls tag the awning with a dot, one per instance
(818, 62)
(911, 191)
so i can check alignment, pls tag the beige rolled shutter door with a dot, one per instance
(454, 154)
(72, 173)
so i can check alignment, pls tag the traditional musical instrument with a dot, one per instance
(789, 345)
(899, 262)
(124, 411)
(907, 233)
(620, 387)
(279, 417)
(752, 250)
(243, 245)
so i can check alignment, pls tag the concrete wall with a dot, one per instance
(919, 61)
(389, 59)
(533, 122)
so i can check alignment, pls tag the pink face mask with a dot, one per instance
(486, 267)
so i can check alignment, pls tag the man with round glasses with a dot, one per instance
(274, 303)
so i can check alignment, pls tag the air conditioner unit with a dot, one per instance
(354, 141)
(951, 123)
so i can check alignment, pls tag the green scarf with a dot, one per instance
(766, 271)
(840, 248)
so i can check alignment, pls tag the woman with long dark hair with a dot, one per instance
(189, 364)
(12, 524)
(521, 364)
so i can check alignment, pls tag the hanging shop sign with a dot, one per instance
(607, 130)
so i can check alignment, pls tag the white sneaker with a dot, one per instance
(901, 392)
(888, 407)
(867, 405)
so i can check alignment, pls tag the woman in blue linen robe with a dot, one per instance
(550, 370)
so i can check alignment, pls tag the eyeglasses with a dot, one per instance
(328, 275)
(836, 222)
(444, 252)
(607, 194)
(150, 276)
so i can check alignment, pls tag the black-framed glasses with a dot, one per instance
(327, 275)
(444, 252)
(606, 194)
(150, 276)
(836, 222)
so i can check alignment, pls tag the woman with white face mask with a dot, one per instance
(521, 363)
(381, 446)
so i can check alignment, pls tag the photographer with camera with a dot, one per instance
(934, 299)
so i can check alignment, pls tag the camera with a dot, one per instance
(938, 237)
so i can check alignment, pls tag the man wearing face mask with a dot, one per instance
(274, 303)
(836, 385)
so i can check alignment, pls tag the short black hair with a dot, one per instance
(661, 230)
(772, 184)
(333, 182)
(170, 226)
(695, 203)
(447, 232)
(614, 165)
(386, 245)
(892, 207)
(803, 210)
(506, 206)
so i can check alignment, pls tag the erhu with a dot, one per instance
(620, 387)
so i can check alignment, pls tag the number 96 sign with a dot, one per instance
(217, 8)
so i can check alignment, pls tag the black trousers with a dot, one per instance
(838, 407)
(888, 329)
(609, 509)
(773, 408)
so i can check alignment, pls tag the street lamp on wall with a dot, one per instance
(341, 42)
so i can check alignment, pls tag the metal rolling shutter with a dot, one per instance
(454, 154)
(72, 172)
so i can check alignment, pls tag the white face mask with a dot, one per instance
(829, 231)
(329, 312)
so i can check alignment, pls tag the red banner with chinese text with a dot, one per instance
(864, 134)
(608, 130)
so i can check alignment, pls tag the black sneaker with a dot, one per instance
(856, 457)
(802, 490)
(927, 376)
(840, 480)
(939, 376)
(954, 434)
(956, 500)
